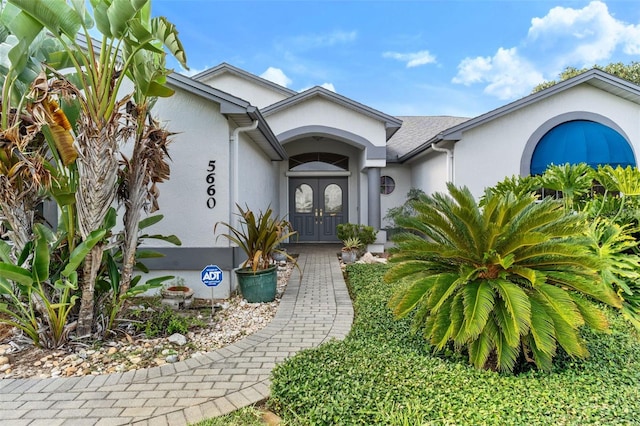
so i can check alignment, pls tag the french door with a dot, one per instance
(317, 206)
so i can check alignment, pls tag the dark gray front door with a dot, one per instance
(317, 206)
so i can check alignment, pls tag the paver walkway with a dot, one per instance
(314, 308)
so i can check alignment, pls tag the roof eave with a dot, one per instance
(420, 149)
(588, 77)
(236, 108)
(392, 124)
(225, 67)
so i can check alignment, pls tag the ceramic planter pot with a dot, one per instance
(259, 286)
(349, 256)
(177, 297)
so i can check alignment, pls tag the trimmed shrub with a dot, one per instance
(366, 234)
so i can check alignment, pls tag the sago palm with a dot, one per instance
(504, 281)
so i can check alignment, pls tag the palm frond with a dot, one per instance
(406, 299)
(542, 328)
(593, 316)
(517, 304)
(478, 304)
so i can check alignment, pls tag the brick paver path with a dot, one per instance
(314, 309)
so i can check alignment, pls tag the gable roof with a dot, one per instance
(225, 68)
(392, 124)
(415, 131)
(241, 112)
(594, 77)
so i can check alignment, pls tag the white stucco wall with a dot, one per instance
(202, 135)
(487, 154)
(402, 177)
(429, 172)
(319, 111)
(256, 94)
(258, 183)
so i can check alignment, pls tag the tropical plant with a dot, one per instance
(351, 244)
(41, 292)
(258, 236)
(518, 185)
(615, 246)
(574, 181)
(130, 49)
(511, 280)
(405, 209)
(366, 234)
(110, 293)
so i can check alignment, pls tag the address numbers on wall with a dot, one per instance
(211, 184)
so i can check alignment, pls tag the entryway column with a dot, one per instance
(373, 179)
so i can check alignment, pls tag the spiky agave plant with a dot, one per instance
(504, 281)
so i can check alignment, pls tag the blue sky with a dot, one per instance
(460, 58)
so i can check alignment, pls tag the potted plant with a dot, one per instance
(177, 295)
(259, 237)
(350, 248)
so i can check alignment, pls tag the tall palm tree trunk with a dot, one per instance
(20, 221)
(98, 167)
(133, 207)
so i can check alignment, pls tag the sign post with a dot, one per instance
(211, 276)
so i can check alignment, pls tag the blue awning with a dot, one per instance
(581, 141)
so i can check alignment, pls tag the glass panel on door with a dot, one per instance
(304, 199)
(332, 199)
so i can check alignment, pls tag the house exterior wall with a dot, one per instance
(202, 135)
(258, 183)
(488, 153)
(256, 94)
(401, 174)
(322, 112)
(429, 172)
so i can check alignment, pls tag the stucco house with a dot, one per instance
(321, 159)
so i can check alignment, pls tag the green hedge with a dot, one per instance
(382, 374)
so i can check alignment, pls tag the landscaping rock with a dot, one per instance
(178, 339)
(234, 319)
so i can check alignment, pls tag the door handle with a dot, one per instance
(320, 212)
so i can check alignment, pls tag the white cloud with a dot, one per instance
(584, 36)
(422, 57)
(507, 74)
(192, 71)
(276, 75)
(563, 37)
(328, 86)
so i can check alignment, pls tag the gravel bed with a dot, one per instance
(233, 320)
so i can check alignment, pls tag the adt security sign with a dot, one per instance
(211, 275)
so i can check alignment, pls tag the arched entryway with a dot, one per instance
(318, 195)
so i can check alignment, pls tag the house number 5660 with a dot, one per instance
(211, 182)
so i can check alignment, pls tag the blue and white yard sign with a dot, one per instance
(211, 275)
